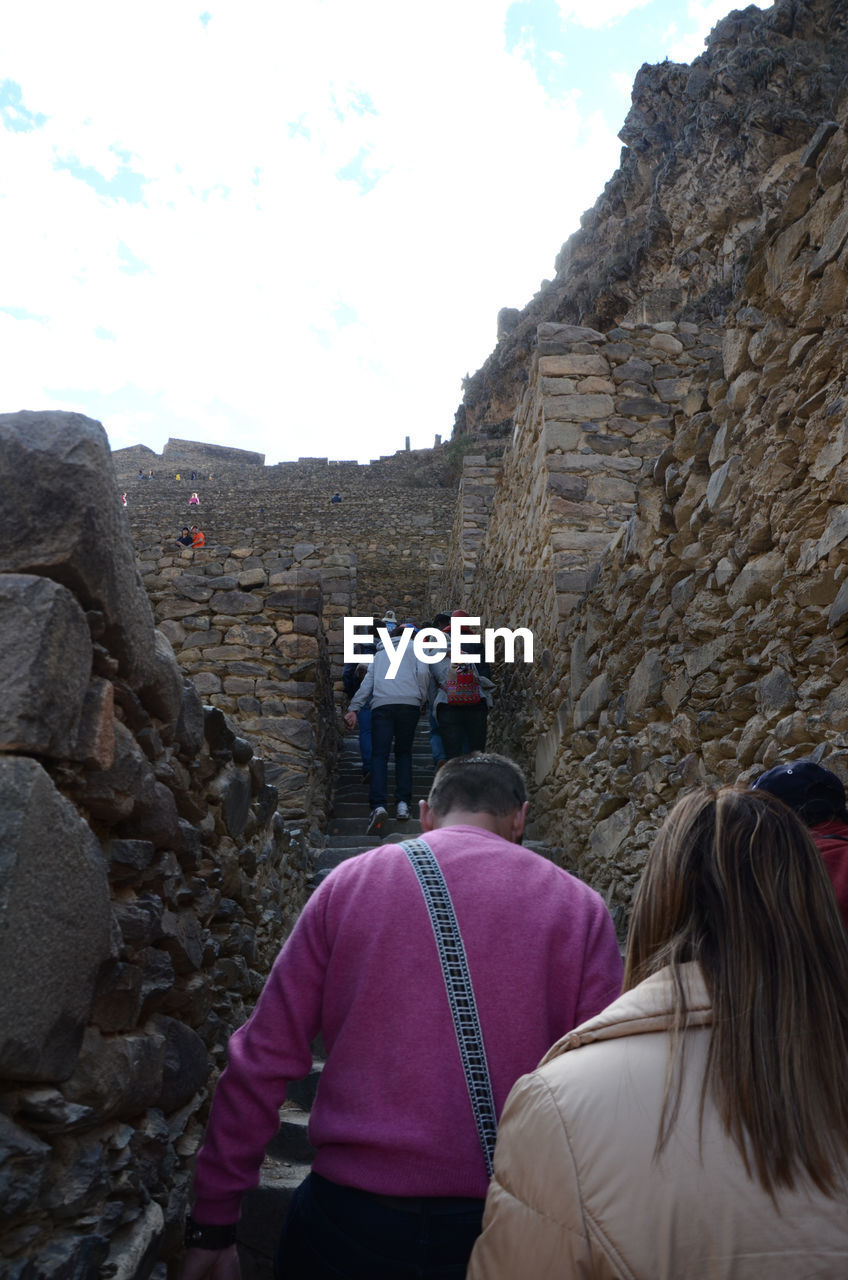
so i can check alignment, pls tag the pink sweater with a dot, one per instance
(392, 1113)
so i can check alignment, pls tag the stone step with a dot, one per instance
(262, 1213)
(357, 843)
(302, 1092)
(291, 1141)
(353, 824)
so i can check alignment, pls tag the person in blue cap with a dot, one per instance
(818, 797)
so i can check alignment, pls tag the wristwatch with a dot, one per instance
(198, 1236)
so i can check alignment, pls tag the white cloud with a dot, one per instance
(252, 247)
(598, 13)
(623, 81)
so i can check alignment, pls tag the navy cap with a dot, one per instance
(812, 791)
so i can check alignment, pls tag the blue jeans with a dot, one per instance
(437, 747)
(363, 721)
(395, 722)
(339, 1233)
(463, 729)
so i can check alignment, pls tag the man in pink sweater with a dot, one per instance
(399, 1178)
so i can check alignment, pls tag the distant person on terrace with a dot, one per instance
(399, 1176)
(198, 537)
(194, 501)
(185, 538)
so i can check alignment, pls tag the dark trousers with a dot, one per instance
(339, 1233)
(395, 722)
(463, 729)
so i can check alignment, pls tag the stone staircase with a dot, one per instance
(289, 1154)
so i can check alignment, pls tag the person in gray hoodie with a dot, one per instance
(395, 686)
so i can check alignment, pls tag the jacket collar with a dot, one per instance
(648, 1007)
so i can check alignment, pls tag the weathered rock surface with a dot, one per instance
(140, 852)
(54, 924)
(710, 153)
(45, 666)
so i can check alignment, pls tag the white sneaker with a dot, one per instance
(402, 811)
(377, 821)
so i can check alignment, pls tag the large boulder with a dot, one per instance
(45, 665)
(61, 518)
(55, 924)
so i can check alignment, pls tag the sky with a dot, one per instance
(289, 225)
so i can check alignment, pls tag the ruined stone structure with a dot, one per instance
(147, 877)
(668, 513)
(655, 483)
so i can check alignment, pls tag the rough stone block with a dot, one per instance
(118, 1076)
(24, 1161)
(777, 694)
(576, 408)
(756, 579)
(61, 518)
(112, 794)
(573, 365)
(162, 692)
(55, 924)
(720, 487)
(667, 343)
(592, 701)
(45, 666)
(608, 836)
(235, 602)
(189, 731)
(185, 1066)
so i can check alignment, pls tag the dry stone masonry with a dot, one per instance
(689, 591)
(146, 877)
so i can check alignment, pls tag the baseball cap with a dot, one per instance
(811, 790)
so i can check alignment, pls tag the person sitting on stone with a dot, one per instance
(399, 1175)
(198, 538)
(185, 537)
(194, 501)
(818, 797)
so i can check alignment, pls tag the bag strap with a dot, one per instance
(460, 992)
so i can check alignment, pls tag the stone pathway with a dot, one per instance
(289, 1153)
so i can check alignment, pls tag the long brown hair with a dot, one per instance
(735, 882)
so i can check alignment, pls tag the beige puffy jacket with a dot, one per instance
(577, 1191)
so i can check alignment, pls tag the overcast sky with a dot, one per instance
(289, 225)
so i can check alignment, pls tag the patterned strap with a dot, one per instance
(469, 1035)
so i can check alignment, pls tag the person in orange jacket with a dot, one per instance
(198, 538)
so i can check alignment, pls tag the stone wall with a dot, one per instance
(708, 641)
(146, 878)
(193, 454)
(383, 546)
(247, 626)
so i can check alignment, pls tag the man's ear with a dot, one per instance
(519, 818)
(428, 818)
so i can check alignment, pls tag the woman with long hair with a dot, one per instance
(699, 1125)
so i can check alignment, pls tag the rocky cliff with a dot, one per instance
(706, 165)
